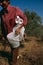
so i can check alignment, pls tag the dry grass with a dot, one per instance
(31, 53)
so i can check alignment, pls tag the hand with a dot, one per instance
(3, 38)
(17, 31)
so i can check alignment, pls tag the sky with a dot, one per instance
(31, 5)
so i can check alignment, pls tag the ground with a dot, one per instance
(30, 54)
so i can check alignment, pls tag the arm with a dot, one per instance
(21, 15)
(18, 29)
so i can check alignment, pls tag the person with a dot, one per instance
(13, 37)
(8, 15)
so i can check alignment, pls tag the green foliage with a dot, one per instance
(33, 27)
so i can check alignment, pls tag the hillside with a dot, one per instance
(30, 54)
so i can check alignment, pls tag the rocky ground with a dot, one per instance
(30, 54)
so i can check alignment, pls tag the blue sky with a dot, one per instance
(36, 5)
